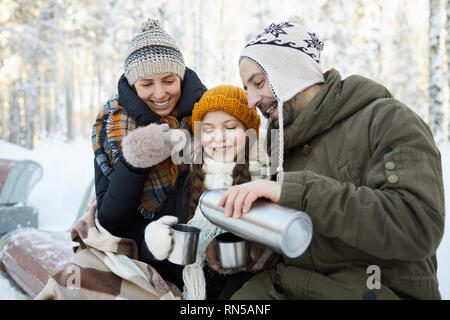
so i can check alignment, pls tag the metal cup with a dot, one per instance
(233, 252)
(184, 245)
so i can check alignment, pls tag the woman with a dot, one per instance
(135, 180)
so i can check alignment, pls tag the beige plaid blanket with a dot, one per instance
(105, 267)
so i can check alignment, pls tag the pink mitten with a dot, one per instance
(147, 146)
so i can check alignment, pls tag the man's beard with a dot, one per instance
(288, 115)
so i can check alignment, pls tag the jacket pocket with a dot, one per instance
(417, 171)
(345, 284)
(348, 169)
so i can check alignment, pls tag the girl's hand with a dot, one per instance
(261, 258)
(158, 236)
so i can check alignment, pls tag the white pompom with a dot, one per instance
(150, 24)
(297, 20)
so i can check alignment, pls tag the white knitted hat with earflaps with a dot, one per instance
(289, 55)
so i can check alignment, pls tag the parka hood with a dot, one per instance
(337, 100)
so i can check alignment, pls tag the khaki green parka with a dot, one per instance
(367, 171)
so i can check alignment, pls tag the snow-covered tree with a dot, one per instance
(199, 53)
(447, 45)
(436, 72)
(60, 59)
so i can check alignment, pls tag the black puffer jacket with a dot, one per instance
(118, 196)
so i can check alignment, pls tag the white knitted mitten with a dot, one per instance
(158, 237)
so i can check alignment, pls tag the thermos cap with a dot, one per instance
(296, 234)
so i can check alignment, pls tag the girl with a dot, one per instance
(225, 125)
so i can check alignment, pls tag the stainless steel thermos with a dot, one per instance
(285, 230)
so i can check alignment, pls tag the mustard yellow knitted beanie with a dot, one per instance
(230, 99)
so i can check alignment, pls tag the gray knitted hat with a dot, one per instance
(152, 51)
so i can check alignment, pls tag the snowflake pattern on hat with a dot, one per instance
(314, 43)
(275, 29)
(275, 34)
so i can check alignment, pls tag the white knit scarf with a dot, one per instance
(217, 175)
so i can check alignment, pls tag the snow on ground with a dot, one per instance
(9, 290)
(68, 169)
(443, 252)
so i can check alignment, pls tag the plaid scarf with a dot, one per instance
(112, 124)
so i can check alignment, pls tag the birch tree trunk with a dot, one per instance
(30, 95)
(436, 73)
(3, 108)
(30, 101)
(198, 32)
(68, 89)
(14, 116)
(447, 45)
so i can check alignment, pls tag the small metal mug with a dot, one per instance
(184, 244)
(232, 251)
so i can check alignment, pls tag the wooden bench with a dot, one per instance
(30, 256)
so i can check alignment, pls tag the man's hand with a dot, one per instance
(245, 194)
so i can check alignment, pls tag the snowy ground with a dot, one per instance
(68, 169)
(443, 252)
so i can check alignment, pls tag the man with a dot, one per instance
(360, 163)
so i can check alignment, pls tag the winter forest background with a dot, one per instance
(60, 59)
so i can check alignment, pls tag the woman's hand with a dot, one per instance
(245, 194)
(150, 145)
